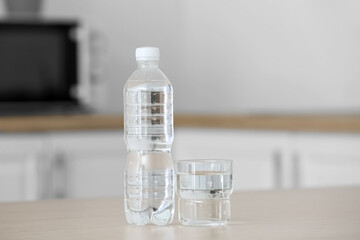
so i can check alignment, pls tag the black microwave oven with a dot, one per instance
(38, 65)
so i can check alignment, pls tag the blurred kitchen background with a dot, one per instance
(273, 85)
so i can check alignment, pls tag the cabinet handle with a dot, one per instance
(60, 173)
(296, 178)
(54, 172)
(277, 169)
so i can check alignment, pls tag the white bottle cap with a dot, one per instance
(147, 53)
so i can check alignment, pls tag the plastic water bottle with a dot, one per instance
(149, 133)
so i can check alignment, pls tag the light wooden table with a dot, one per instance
(298, 214)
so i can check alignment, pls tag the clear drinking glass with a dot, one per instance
(204, 187)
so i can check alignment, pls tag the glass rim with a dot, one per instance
(205, 160)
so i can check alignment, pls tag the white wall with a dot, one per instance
(232, 56)
(255, 56)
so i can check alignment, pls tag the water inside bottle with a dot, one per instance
(150, 198)
(149, 188)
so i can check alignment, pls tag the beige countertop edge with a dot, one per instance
(321, 123)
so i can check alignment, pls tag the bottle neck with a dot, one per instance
(148, 64)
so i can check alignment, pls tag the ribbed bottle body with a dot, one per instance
(148, 115)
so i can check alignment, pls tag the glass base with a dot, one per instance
(204, 212)
(202, 223)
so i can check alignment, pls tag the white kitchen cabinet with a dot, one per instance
(268, 160)
(80, 164)
(322, 160)
(20, 156)
(51, 165)
(257, 156)
(88, 164)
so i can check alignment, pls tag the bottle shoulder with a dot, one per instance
(153, 74)
(148, 79)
